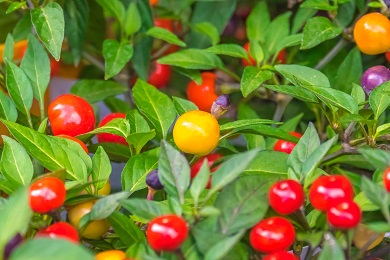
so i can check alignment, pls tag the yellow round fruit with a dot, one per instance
(111, 255)
(196, 132)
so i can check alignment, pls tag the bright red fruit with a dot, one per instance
(160, 76)
(386, 179)
(281, 255)
(286, 146)
(203, 95)
(46, 194)
(344, 215)
(272, 235)
(167, 233)
(328, 190)
(111, 138)
(281, 58)
(387, 55)
(286, 196)
(76, 140)
(252, 61)
(60, 230)
(54, 67)
(71, 115)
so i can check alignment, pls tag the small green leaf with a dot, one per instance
(349, 71)
(165, 35)
(379, 99)
(299, 75)
(133, 20)
(189, 73)
(193, 59)
(269, 165)
(294, 91)
(200, 181)
(7, 108)
(104, 207)
(101, 168)
(8, 52)
(277, 31)
(139, 140)
(252, 78)
(318, 30)
(379, 159)
(301, 17)
(208, 29)
(138, 123)
(126, 229)
(49, 24)
(15, 6)
(245, 123)
(221, 249)
(116, 56)
(146, 209)
(97, 90)
(229, 49)
(115, 8)
(319, 4)
(331, 249)
(376, 194)
(183, 105)
(258, 21)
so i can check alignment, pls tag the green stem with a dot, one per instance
(331, 54)
(231, 74)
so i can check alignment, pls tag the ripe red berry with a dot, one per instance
(167, 233)
(272, 235)
(46, 194)
(281, 255)
(328, 190)
(203, 95)
(344, 215)
(281, 58)
(60, 230)
(71, 115)
(160, 75)
(286, 146)
(386, 179)
(286, 196)
(251, 61)
(111, 138)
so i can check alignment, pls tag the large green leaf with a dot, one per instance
(277, 31)
(156, 106)
(349, 71)
(193, 59)
(49, 24)
(7, 108)
(229, 49)
(101, 168)
(97, 90)
(318, 30)
(166, 35)
(126, 229)
(258, 22)
(252, 78)
(294, 91)
(116, 56)
(298, 75)
(269, 165)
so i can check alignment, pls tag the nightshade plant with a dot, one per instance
(301, 71)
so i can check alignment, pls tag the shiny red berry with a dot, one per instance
(111, 138)
(286, 196)
(282, 57)
(60, 230)
(344, 215)
(46, 194)
(71, 115)
(272, 235)
(203, 95)
(281, 255)
(328, 190)
(167, 233)
(160, 75)
(386, 179)
(252, 61)
(286, 146)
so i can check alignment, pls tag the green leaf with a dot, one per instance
(301, 17)
(101, 168)
(183, 105)
(318, 4)
(94, 91)
(318, 30)
(146, 209)
(23, 28)
(19, 88)
(104, 207)
(76, 14)
(364, 203)
(138, 123)
(200, 181)
(8, 52)
(50, 151)
(379, 159)
(243, 203)
(49, 24)
(137, 168)
(117, 105)
(382, 130)
(294, 91)
(133, 20)
(252, 78)
(331, 249)
(229, 170)
(116, 56)
(298, 75)
(117, 126)
(245, 123)
(15, 6)
(379, 99)
(14, 217)
(208, 29)
(289, 41)
(48, 248)
(357, 93)
(7, 108)
(36, 66)
(192, 59)
(270, 165)
(189, 73)
(349, 71)
(165, 35)
(126, 229)
(173, 171)
(256, 52)
(258, 22)
(229, 49)
(376, 194)
(115, 8)
(139, 140)
(221, 249)
(307, 144)
(15, 164)
(155, 105)
(116, 152)
(277, 31)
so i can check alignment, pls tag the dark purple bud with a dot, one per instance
(374, 77)
(220, 106)
(153, 181)
(387, 2)
(12, 244)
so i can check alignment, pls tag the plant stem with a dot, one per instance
(331, 54)
(231, 74)
(281, 107)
